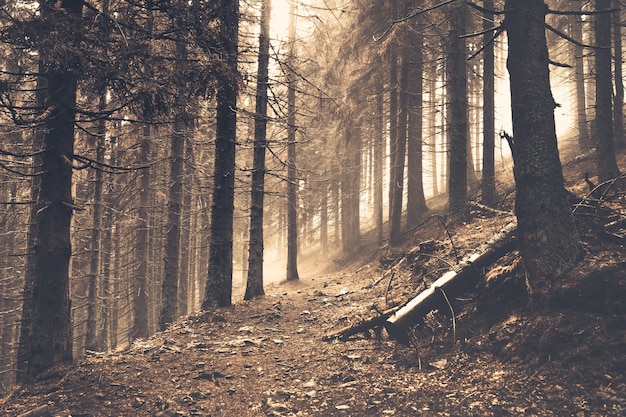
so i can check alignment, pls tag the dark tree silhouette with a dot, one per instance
(292, 197)
(50, 340)
(488, 183)
(457, 117)
(606, 162)
(254, 285)
(549, 241)
(220, 276)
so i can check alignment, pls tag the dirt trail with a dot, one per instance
(267, 357)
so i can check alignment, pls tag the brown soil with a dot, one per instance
(498, 355)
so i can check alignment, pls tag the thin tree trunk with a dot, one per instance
(110, 327)
(254, 284)
(351, 190)
(335, 199)
(457, 119)
(488, 183)
(606, 161)
(292, 198)
(379, 142)
(416, 200)
(618, 98)
(220, 276)
(140, 328)
(584, 139)
(186, 250)
(24, 347)
(432, 128)
(169, 289)
(324, 216)
(399, 155)
(393, 116)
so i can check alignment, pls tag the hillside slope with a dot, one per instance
(496, 355)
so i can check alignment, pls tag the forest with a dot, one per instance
(440, 178)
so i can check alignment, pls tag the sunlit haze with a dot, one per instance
(279, 25)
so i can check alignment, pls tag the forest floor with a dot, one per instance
(497, 356)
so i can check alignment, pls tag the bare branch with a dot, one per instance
(498, 32)
(408, 17)
(569, 38)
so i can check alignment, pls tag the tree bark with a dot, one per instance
(618, 97)
(549, 241)
(457, 119)
(292, 186)
(399, 151)
(23, 348)
(488, 183)
(186, 250)
(584, 139)
(169, 289)
(220, 277)
(606, 161)
(254, 284)
(140, 328)
(393, 113)
(351, 190)
(324, 215)
(416, 200)
(51, 330)
(379, 143)
(432, 127)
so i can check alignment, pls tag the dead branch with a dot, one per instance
(361, 327)
(490, 209)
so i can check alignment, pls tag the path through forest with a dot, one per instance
(268, 357)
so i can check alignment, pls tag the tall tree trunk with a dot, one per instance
(186, 250)
(169, 289)
(379, 146)
(98, 307)
(324, 215)
(606, 161)
(109, 295)
(416, 201)
(24, 346)
(254, 284)
(457, 119)
(399, 152)
(171, 279)
(220, 276)
(549, 241)
(292, 198)
(393, 114)
(488, 183)
(432, 128)
(351, 190)
(618, 98)
(51, 330)
(584, 139)
(140, 328)
(335, 199)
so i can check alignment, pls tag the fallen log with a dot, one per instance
(451, 284)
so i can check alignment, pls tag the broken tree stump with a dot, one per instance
(451, 284)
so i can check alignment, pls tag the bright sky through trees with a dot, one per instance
(280, 19)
